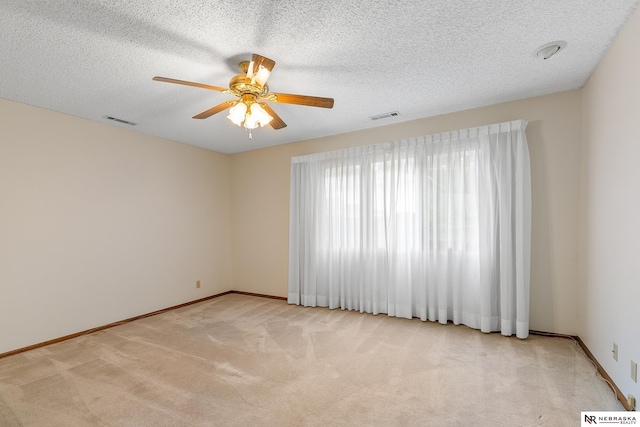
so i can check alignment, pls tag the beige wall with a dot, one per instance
(99, 223)
(260, 200)
(610, 296)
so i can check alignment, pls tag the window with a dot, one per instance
(434, 227)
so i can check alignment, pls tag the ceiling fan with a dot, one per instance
(251, 110)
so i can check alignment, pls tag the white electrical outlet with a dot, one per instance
(632, 401)
(615, 352)
(634, 371)
(197, 283)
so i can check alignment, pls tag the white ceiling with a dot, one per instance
(96, 58)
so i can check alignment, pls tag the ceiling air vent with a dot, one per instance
(385, 116)
(115, 119)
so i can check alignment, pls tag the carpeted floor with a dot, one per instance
(239, 360)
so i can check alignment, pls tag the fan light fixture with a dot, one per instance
(251, 110)
(249, 114)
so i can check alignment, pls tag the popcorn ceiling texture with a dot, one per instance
(422, 58)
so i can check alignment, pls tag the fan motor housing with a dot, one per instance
(238, 84)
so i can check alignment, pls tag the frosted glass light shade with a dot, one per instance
(237, 113)
(261, 116)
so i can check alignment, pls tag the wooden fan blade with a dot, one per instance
(186, 83)
(311, 101)
(214, 110)
(277, 122)
(259, 60)
(259, 69)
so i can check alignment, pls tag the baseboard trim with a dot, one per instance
(131, 319)
(612, 385)
(110, 325)
(251, 294)
(601, 371)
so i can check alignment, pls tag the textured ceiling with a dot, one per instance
(421, 58)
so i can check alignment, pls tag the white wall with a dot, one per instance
(260, 200)
(100, 223)
(610, 298)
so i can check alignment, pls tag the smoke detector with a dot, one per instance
(546, 51)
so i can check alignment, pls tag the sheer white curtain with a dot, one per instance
(436, 227)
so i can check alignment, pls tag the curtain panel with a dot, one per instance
(436, 227)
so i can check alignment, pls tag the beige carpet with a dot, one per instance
(245, 361)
